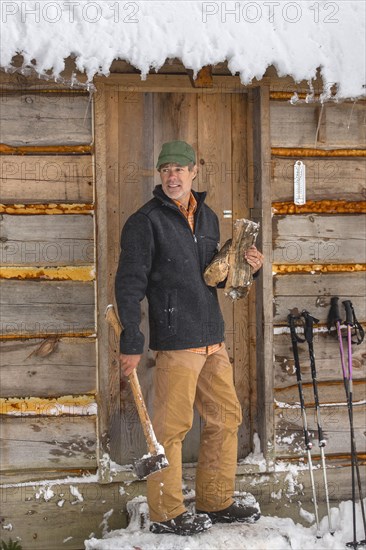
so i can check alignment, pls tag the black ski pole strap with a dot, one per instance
(309, 333)
(351, 320)
(309, 325)
(291, 318)
(333, 315)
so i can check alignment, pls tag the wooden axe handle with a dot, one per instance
(151, 440)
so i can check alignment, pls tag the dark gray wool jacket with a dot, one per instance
(162, 259)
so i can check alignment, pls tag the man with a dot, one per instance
(165, 247)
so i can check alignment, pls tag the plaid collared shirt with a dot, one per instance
(188, 213)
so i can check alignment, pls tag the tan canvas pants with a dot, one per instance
(184, 379)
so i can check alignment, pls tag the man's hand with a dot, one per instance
(128, 363)
(254, 258)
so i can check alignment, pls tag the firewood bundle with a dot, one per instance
(230, 263)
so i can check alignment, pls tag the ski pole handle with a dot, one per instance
(333, 315)
(309, 326)
(349, 312)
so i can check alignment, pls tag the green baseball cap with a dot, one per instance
(176, 151)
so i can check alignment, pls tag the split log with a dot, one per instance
(218, 269)
(229, 263)
(240, 275)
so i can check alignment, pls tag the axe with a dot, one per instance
(156, 459)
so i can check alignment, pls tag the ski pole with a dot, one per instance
(308, 333)
(351, 321)
(334, 318)
(291, 318)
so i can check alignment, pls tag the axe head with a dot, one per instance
(149, 464)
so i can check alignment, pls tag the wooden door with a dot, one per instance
(136, 123)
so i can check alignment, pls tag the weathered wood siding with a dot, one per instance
(67, 369)
(330, 236)
(47, 346)
(46, 240)
(44, 179)
(311, 125)
(45, 119)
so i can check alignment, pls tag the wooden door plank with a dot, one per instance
(175, 118)
(242, 378)
(69, 369)
(135, 188)
(215, 176)
(44, 179)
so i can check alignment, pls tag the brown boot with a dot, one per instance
(236, 512)
(185, 524)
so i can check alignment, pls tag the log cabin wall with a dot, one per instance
(48, 334)
(318, 252)
(47, 346)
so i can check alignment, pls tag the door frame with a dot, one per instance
(260, 304)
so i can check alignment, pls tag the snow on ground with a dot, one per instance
(270, 533)
(296, 37)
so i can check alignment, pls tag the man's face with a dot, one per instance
(177, 181)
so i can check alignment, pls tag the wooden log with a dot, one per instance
(63, 515)
(311, 152)
(37, 443)
(84, 149)
(203, 78)
(65, 405)
(217, 270)
(40, 308)
(320, 207)
(288, 493)
(334, 178)
(329, 392)
(313, 292)
(296, 125)
(290, 437)
(46, 240)
(132, 83)
(326, 349)
(42, 179)
(319, 239)
(69, 367)
(285, 269)
(68, 273)
(240, 276)
(45, 119)
(25, 507)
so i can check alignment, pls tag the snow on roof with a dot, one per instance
(296, 37)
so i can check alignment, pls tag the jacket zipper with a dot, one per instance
(176, 209)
